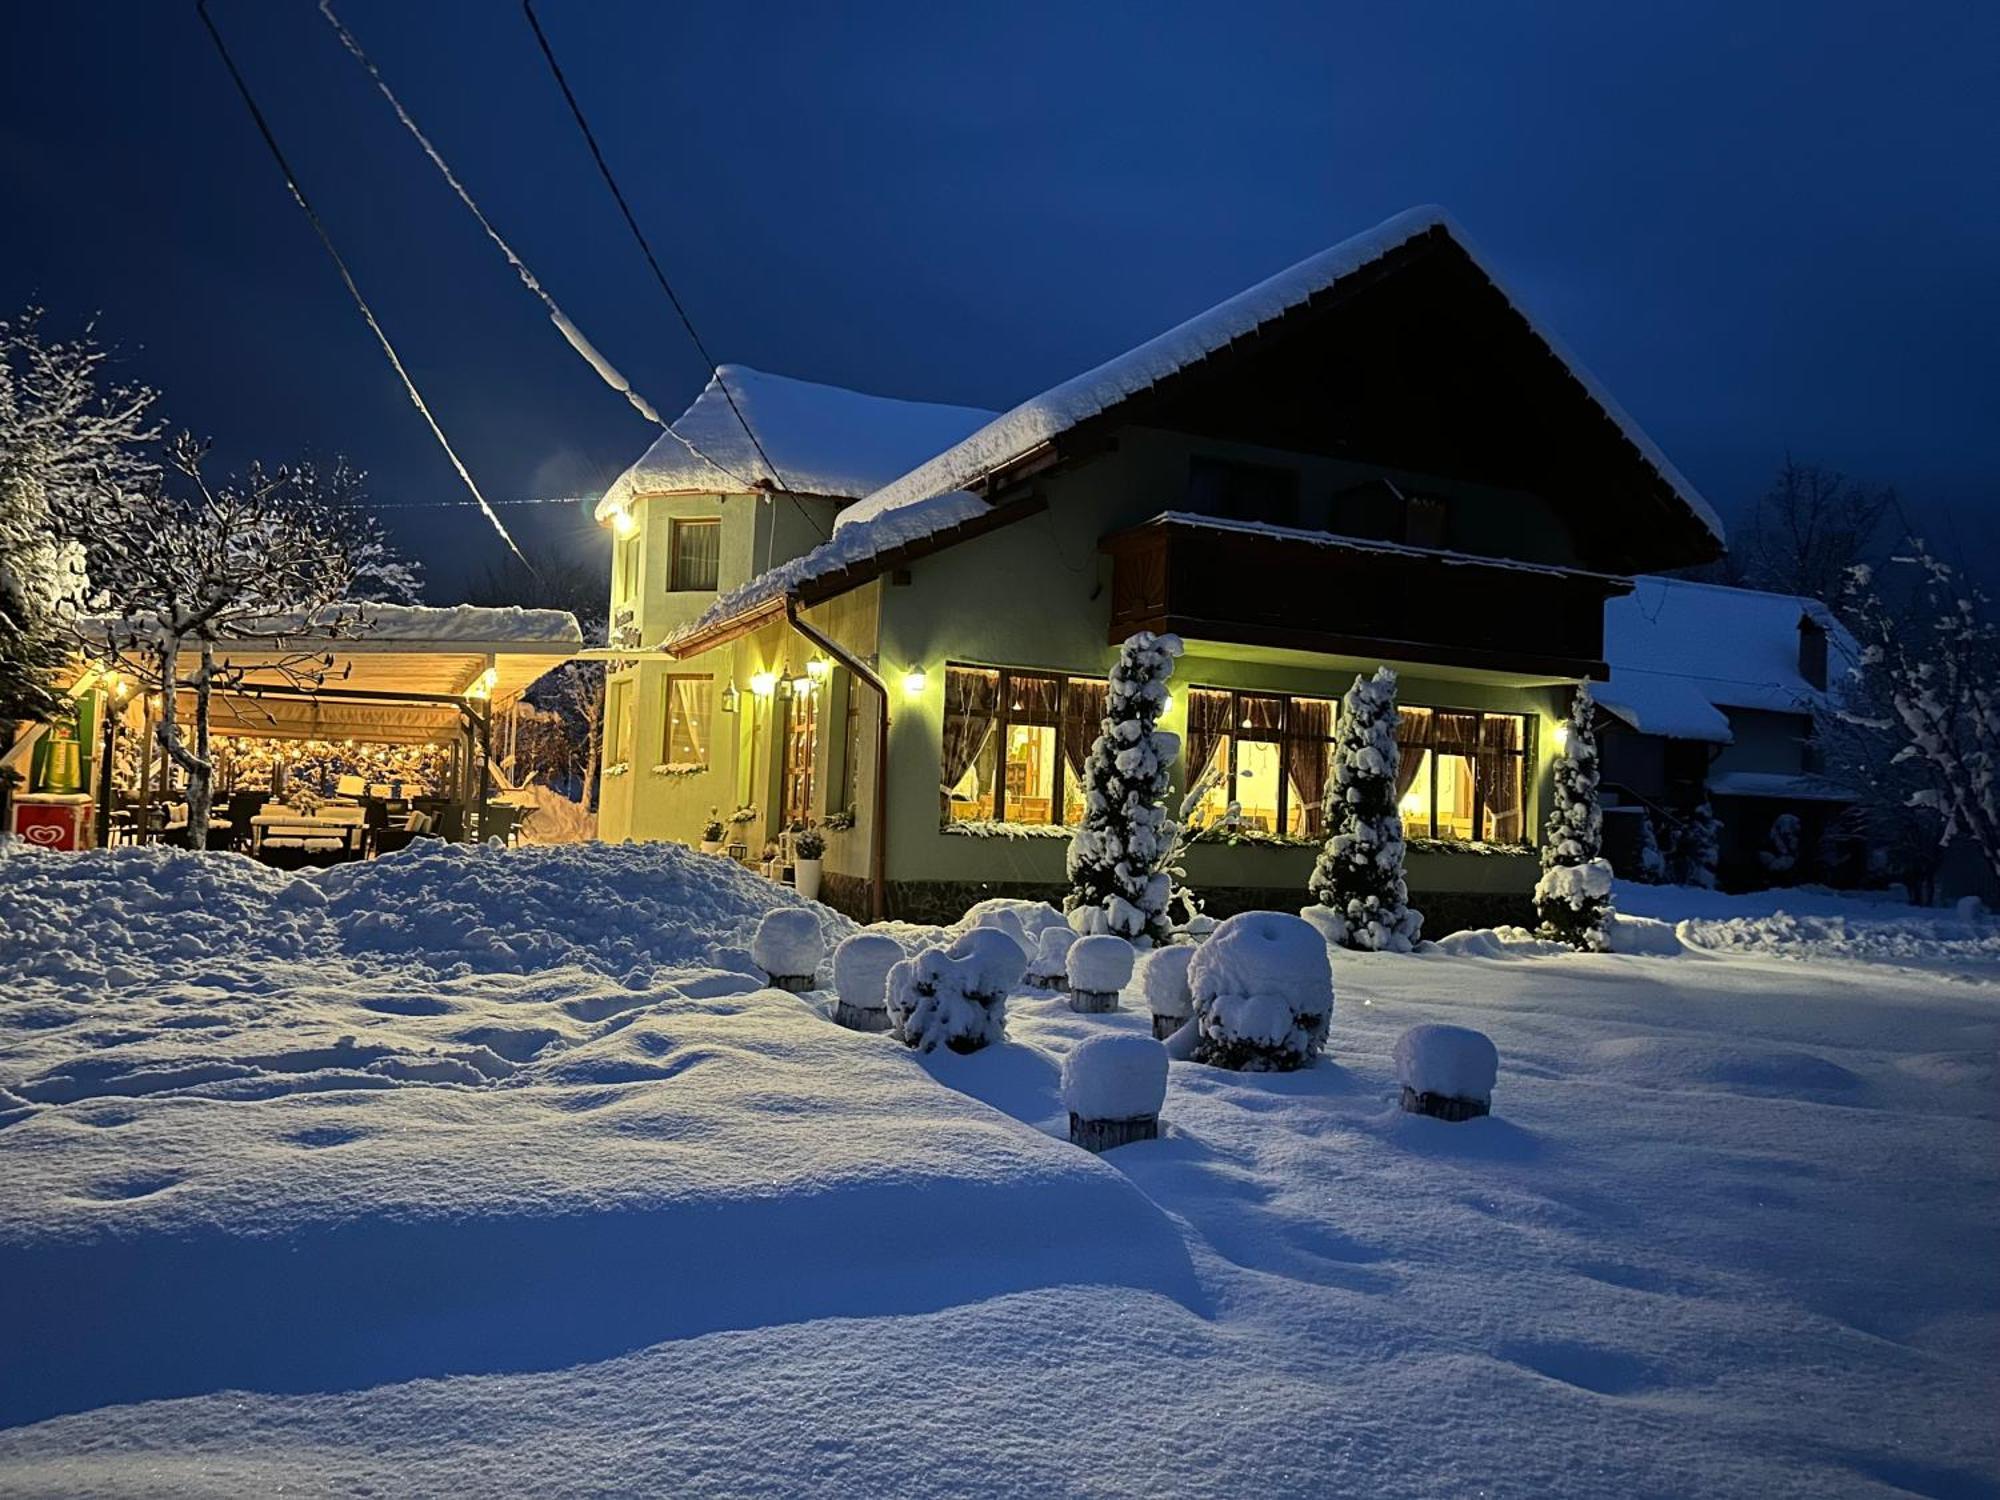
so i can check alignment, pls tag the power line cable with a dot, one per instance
(347, 278)
(646, 249)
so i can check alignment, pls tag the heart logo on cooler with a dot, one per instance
(43, 833)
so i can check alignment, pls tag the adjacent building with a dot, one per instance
(896, 620)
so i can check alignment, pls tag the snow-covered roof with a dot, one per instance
(1782, 785)
(824, 440)
(1681, 652)
(1047, 416)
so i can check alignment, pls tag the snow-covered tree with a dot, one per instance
(1573, 897)
(1359, 873)
(1118, 859)
(66, 431)
(1929, 677)
(270, 558)
(1697, 847)
(1652, 859)
(1781, 856)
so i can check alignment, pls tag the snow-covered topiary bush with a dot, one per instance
(1100, 965)
(1049, 968)
(1359, 874)
(956, 997)
(1573, 898)
(861, 966)
(1163, 977)
(1263, 993)
(1118, 876)
(1446, 1071)
(788, 947)
(1113, 1086)
(1782, 857)
(1652, 859)
(1697, 847)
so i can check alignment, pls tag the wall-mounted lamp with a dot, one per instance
(914, 683)
(730, 697)
(1166, 705)
(480, 687)
(817, 668)
(623, 522)
(1562, 737)
(763, 684)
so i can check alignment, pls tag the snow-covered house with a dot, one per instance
(1372, 457)
(1712, 694)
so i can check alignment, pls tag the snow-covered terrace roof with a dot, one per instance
(1681, 652)
(823, 440)
(929, 499)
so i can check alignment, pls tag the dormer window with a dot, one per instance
(1243, 492)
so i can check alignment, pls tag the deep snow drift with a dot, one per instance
(576, 1203)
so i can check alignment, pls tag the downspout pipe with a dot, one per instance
(878, 848)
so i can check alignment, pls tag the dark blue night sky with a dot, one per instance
(1763, 227)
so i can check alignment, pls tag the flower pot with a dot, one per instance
(711, 846)
(805, 878)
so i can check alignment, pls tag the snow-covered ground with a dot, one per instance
(480, 1172)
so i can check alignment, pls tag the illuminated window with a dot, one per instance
(1015, 744)
(697, 554)
(628, 566)
(686, 742)
(1266, 752)
(1463, 775)
(801, 752)
(618, 717)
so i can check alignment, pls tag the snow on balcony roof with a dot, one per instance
(1049, 415)
(823, 439)
(1782, 785)
(1681, 652)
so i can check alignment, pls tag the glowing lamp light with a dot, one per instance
(914, 682)
(482, 686)
(730, 697)
(624, 523)
(818, 668)
(763, 684)
(801, 686)
(1166, 705)
(1562, 737)
(1410, 805)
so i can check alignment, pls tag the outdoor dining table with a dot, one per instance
(265, 826)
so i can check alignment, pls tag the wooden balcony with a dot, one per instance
(1249, 585)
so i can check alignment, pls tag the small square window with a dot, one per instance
(697, 555)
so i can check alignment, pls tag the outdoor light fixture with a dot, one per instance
(763, 684)
(480, 686)
(624, 522)
(817, 668)
(802, 686)
(1562, 737)
(730, 697)
(914, 682)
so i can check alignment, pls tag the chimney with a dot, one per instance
(1812, 651)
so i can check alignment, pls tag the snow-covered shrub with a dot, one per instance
(956, 997)
(1573, 897)
(1446, 1071)
(1113, 1086)
(1100, 965)
(1697, 847)
(861, 966)
(1263, 993)
(1163, 977)
(1359, 874)
(1782, 857)
(788, 947)
(1118, 877)
(1049, 968)
(1652, 859)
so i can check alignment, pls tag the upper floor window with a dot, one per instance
(686, 742)
(1380, 510)
(627, 568)
(697, 554)
(1015, 744)
(1270, 754)
(1243, 492)
(1463, 775)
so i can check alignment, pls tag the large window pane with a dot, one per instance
(967, 775)
(697, 554)
(687, 721)
(1308, 765)
(1031, 773)
(1502, 765)
(1082, 721)
(1258, 766)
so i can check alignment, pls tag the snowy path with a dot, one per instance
(410, 1213)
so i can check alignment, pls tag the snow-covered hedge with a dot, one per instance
(1263, 993)
(861, 966)
(1049, 968)
(956, 997)
(1164, 980)
(1100, 965)
(1113, 1086)
(788, 947)
(1446, 1071)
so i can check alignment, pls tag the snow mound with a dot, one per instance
(1454, 1062)
(1100, 963)
(1164, 980)
(861, 966)
(1499, 942)
(956, 997)
(788, 943)
(1051, 961)
(1263, 992)
(1115, 1076)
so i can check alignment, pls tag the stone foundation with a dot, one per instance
(1106, 1135)
(1441, 1106)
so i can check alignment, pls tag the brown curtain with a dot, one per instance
(1306, 758)
(1083, 721)
(971, 699)
(1208, 727)
(1413, 737)
(1499, 768)
(1262, 718)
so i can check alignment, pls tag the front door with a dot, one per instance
(801, 751)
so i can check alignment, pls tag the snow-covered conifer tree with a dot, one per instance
(1652, 859)
(1698, 847)
(1118, 858)
(1359, 873)
(1573, 897)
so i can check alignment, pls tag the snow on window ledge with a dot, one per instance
(1464, 846)
(623, 768)
(680, 768)
(986, 828)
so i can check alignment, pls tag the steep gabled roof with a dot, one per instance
(1018, 433)
(1682, 652)
(824, 440)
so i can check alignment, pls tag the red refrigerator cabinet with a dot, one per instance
(51, 820)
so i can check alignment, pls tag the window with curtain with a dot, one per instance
(628, 567)
(1463, 774)
(618, 716)
(687, 732)
(697, 554)
(1270, 754)
(850, 757)
(1015, 743)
